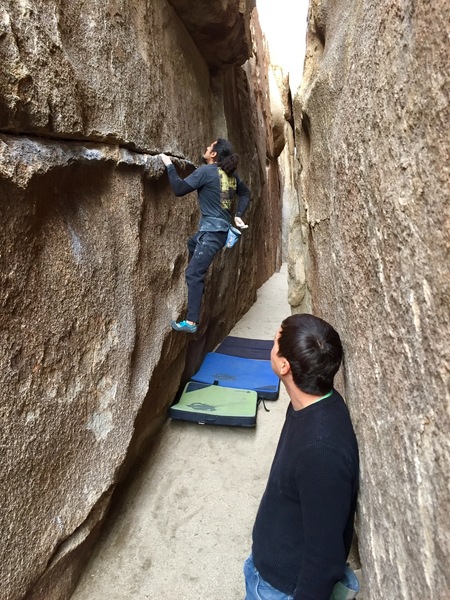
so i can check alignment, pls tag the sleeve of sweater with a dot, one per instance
(178, 185)
(324, 484)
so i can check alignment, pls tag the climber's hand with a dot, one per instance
(240, 223)
(166, 160)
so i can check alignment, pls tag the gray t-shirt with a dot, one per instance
(214, 199)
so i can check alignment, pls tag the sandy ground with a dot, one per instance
(183, 528)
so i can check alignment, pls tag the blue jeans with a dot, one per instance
(258, 589)
(203, 247)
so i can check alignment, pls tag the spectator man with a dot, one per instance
(304, 526)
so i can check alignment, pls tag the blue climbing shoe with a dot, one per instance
(184, 326)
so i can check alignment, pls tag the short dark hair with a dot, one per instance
(226, 158)
(314, 351)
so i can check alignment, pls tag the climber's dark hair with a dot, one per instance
(226, 158)
(314, 351)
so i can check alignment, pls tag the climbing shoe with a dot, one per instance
(184, 326)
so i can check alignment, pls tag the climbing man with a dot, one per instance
(304, 526)
(217, 183)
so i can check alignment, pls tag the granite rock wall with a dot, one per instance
(373, 233)
(93, 248)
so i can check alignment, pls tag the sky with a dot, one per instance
(284, 25)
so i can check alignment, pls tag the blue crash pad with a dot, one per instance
(237, 372)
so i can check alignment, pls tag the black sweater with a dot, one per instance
(304, 526)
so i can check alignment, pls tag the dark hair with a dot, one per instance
(226, 158)
(314, 351)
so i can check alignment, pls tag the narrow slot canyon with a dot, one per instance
(338, 112)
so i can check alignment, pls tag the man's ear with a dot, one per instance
(285, 367)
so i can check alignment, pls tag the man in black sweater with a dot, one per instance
(304, 526)
(217, 183)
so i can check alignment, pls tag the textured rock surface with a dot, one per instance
(220, 29)
(374, 111)
(93, 252)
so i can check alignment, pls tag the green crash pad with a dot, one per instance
(216, 405)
